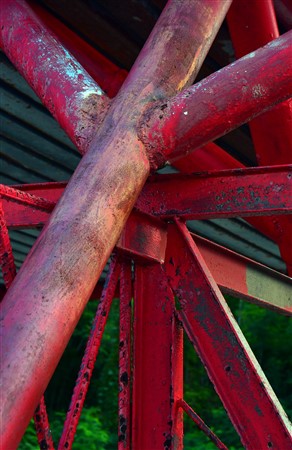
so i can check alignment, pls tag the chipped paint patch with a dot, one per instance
(258, 91)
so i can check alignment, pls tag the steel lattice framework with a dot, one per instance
(156, 115)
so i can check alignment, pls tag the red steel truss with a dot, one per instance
(155, 117)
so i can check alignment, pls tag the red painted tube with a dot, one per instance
(65, 88)
(88, 220)
(251, 23)
(271, 132)
(219, 103)
(109, 76)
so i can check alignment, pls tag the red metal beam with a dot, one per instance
(125, 358)
(231, 366)
(144, 239)
(24, 211)
(6, 256)
(271, 132)
(109, 76)
(201, 424)
(252, 24)
(213, 157)
(89, 358)
(219, 103)
(246, 279)
(23, 216)
(25, 198)
(153, 391)
(230, 193)
(42, 426)
(211, 195)
(65, 88)
(209, 157)
(87, 222)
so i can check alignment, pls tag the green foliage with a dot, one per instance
(90, 433)
(268, 333)
(29, 440)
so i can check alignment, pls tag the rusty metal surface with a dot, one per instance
(194, 117)
(235, 193)
(246, 279)
(62, 84)
(89, 358)
(42, 426)
(155, 369)
(65, 156)
(143, 239)
(125, 358)
(107, 74)
(211, 156)
(71, 271)
(245, 392)
(271, 132)
(26, 198)
(7, 263)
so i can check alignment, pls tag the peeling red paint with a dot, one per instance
(65, 88)
(95, 207)
(219, 103)
(125, 357)
(230, 363)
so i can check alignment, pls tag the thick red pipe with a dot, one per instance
(57, 278)
(272, 131)
(65, 88)
(219, 103)
(251, 22)
(109, 76)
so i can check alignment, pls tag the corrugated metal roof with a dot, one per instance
(35, 149)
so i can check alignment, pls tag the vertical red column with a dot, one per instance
(157, 377)
(252, 24)
(125, 378)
